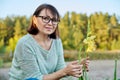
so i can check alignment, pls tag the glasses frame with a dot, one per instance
(54, 22)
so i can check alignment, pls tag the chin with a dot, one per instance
(49, 33)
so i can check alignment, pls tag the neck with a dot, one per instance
(43, 40)
(41, 37)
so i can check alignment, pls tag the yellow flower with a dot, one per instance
(89, 41)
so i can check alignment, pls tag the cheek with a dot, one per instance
(39, 22)
(40, 25)
(54, 28)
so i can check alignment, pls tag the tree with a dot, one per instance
(113, 21)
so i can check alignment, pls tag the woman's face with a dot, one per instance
(45, 22)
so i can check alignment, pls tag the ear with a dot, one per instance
(34, 20)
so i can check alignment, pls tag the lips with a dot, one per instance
(48, 28)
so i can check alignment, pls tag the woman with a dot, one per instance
(39, 54)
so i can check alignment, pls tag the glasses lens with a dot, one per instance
(45, 19)
(55, 22)
(48, 19)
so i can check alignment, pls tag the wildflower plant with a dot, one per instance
(89, 41)
(89, 44)
(115, 70)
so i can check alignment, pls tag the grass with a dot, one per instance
(115, 70)
(97, 55)
(6, 65)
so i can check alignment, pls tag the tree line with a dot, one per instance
(72, 28)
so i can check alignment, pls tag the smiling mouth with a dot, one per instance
(48, 28)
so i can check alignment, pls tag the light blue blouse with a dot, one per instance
(32, 61)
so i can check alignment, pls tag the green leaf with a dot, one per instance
(115, 70)
(81, 78)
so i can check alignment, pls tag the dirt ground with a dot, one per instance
(99, 70)
(103, 69)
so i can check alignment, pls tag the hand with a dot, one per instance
(85, 62)
(74, 69)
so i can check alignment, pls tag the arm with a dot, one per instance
(73, 69)
(26, 60)
(55, 76)
(61, 62)
(30, 69)
(61, 69)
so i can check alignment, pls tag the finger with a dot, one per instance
(77, 66)
(78, 72)
(78, 75)
(75, 62)
(75, 70)
(85, 60)
(86, 69)
(87, 64)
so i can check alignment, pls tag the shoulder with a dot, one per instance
(58, 42)
(25, 45)
(25, 40)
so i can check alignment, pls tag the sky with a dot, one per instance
(27, 7)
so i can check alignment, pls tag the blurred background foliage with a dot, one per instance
(73, 29)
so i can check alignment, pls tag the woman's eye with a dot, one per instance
(46, 18)
(54, 20)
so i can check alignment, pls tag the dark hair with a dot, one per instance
(34, 30)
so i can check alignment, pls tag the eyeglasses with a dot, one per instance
(48, 19)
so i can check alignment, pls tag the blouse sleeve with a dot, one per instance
(27, 62)
(61, 63)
